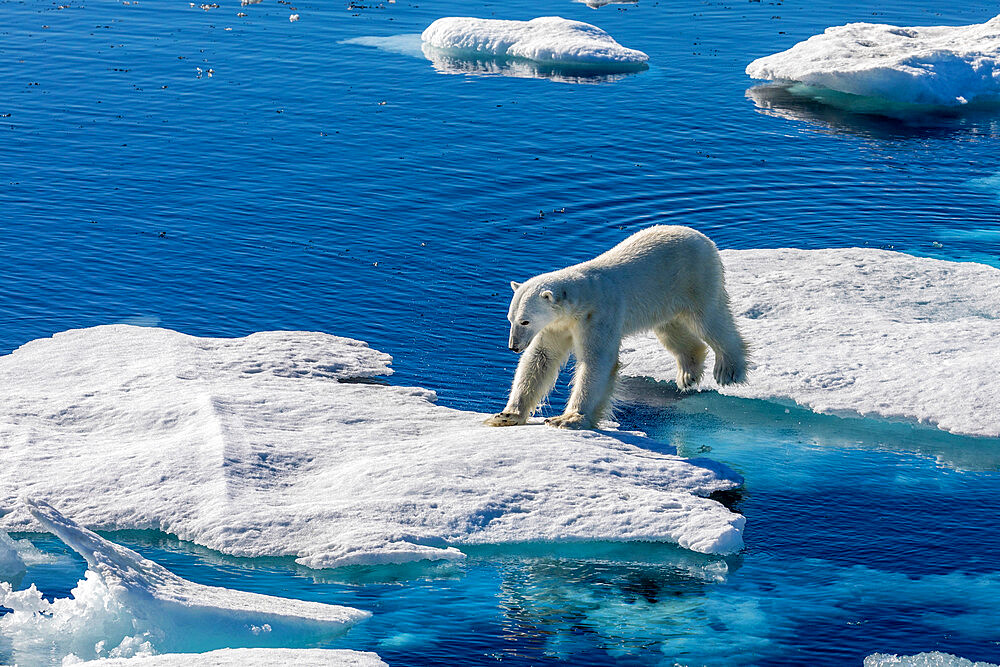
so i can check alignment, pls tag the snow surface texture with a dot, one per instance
(547, 39)
(933, 659)
(859, 331)
(128, 605)
(937, 65)
(244, 657)
(259, 446)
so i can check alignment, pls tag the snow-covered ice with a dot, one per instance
(861, 331)
(932, 65)
(932, 659)
(261, 446)
(547, 39)
(128, 605)
(256, 657)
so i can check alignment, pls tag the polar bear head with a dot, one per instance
(534, 306)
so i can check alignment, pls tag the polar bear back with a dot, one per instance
(653, 275)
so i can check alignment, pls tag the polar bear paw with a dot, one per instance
(505, 419)
(569, 420)
(730, 371)
(688, 378)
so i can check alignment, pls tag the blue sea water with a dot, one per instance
(221, 174)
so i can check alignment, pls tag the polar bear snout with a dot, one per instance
(515, 343)
(520, 338)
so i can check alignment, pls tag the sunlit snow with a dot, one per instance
(547, 39)
(275, 445)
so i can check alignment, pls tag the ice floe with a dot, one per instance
(932, 659)
(932, 65)
(128, 605)
(862, 331)
(270, 445)
(548, 39)
(242, 657)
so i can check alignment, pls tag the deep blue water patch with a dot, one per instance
(158, 167)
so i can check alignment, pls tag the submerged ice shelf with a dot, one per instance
(128, 605)
(270, 445)
(932, 65)
(548, 39)
(860, 331)
(11, 564)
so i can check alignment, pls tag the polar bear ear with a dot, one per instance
(514, 285)
(548, 296)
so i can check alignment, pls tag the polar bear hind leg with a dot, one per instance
(718, 328)
(687, 348)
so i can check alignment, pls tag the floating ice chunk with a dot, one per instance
(261, 446)
(862, 331)
(932, 659)
(447, 61)
(242, 657)
(129, 605)
(936, 65)
(547, 39)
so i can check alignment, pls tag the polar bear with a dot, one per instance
(665, 278)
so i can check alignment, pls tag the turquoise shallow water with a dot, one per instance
(312, 184)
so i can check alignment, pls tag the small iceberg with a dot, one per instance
(858, 331)
(548, 40)
(930, 66)
(245, 657)
(128, 605)
(278, 444)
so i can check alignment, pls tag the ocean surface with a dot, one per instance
(220, 170)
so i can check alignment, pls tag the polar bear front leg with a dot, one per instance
(594, 380)
(536, 374)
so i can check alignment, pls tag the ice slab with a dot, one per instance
(932, 65)
(264, 446)
(450, 61)
(932, 659)
(242, 657)
(861, 331)
(548, 39)
(129, 605)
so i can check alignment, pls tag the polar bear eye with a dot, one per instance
(525, 323)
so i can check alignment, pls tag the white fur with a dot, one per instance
(667, 279)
